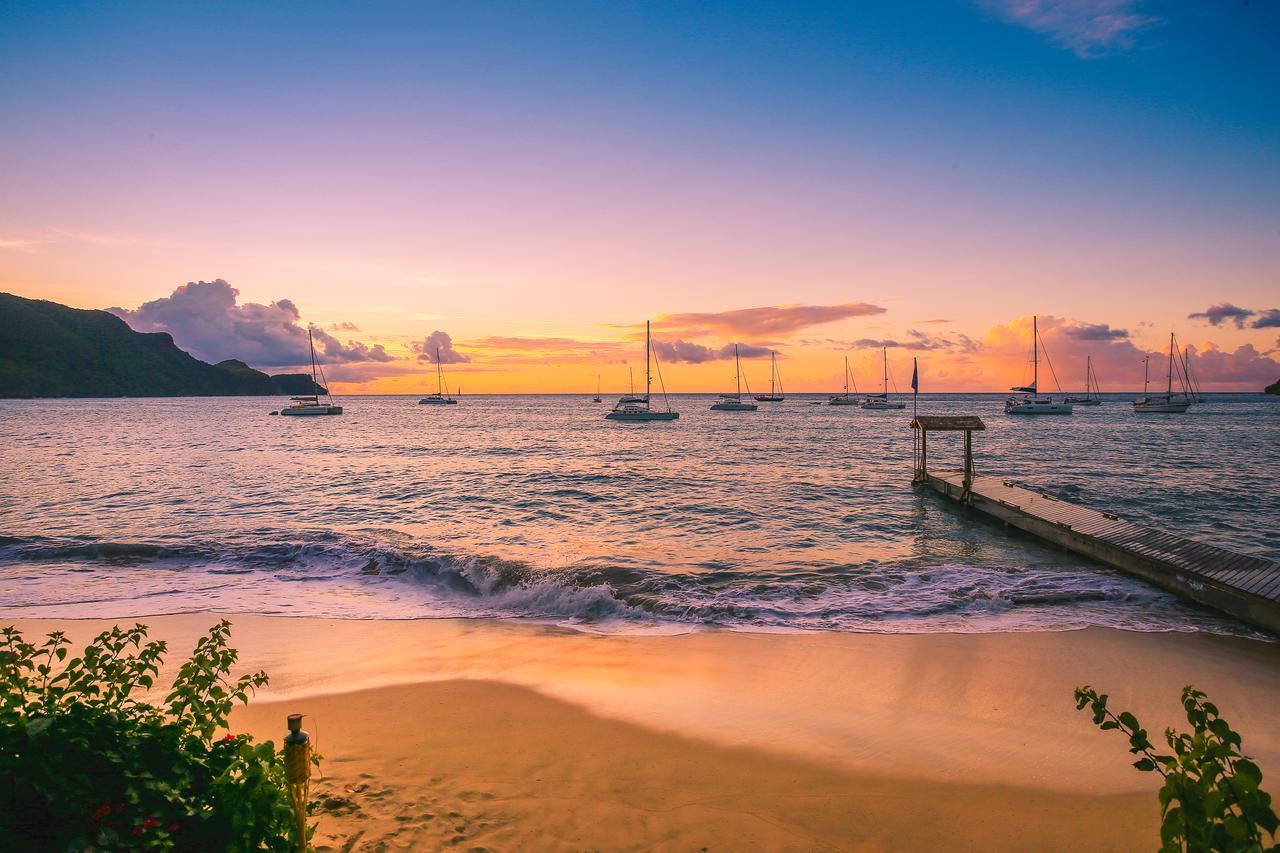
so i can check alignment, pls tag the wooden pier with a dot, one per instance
(1242, 586)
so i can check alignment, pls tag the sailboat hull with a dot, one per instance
(437, 401)
(733, 406)
(1036, 407)
(765, 398)
(297, 411)
(1084, 401)
(883, 405)
(842, 401)
(1159, 407)
(641, 416)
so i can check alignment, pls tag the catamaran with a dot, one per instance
(310, 404)
(442, 396)
(1168, 402)
(734, 402)
(1091, 390)
(775, 391)
(1033, 402)
(882, 401)
(639, 408)
(844, 399)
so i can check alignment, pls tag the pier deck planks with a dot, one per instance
(1244, 586)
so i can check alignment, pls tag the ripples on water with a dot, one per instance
(794, 517)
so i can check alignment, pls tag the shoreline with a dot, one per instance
(717, 738)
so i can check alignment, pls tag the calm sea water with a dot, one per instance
(794, 517)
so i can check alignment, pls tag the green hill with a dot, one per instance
(1273, 388)
(50, 350)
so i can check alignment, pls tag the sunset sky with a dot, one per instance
(523, 184)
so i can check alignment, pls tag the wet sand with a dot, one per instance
(503, 735)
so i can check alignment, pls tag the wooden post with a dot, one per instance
(924, 454)
(968, 463)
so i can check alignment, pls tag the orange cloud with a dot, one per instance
(758, 322)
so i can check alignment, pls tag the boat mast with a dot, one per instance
(312, 344)
(1168, 391)
(846, 376)
(439, 375)
(1035, 355)
(648, 380)
(1146, 375)
(737, 371)
(1088, 372)
(773, 369)
(885, 352)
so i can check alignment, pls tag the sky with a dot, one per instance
(519, 186)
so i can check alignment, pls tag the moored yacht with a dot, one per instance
(1032, 402)
(775, 382)
(844, 399)
(442, 396)
(734, 402)
(882, 401)
(638, 408)
(309, 404)
(1167, 403)
(1091, 391)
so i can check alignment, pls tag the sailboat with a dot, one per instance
(596, 398)
(630, 396)
(441, 397)
(734, 402)
(310, 404)
(844, 399)
(775, 391)
(882, 401)
(1091, 390)
(639, 408)
(1166, 403)
(1033, 402)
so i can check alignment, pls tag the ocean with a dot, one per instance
(795, 518)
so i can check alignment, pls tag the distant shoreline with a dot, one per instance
(607, 395)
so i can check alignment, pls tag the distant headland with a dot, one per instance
(51, 350)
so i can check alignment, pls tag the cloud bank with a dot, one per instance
(688, 352)
(205, 320)
(438, 346)
(761, 322)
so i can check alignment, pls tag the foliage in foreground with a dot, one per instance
(1211, 799)
(87, 764)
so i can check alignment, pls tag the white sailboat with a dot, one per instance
(596, 398)
(882, 401)
(309, 404)
(1033, 402)
(734, 402)
(630, 396)
(639, 408)
(775, 390)
(1167, 403)
(441, 397)
(844, 399)
(1091, 390)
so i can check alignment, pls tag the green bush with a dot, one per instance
(87, 764)
(1211, 799)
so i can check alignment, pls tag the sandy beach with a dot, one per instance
(503, 735)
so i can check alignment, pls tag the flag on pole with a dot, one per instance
(915, 384)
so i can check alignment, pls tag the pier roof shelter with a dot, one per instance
(924, 424)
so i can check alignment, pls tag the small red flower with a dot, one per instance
(150, 822)
(137, 830)
(101, 811)
(229, 736)
(175, 826)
